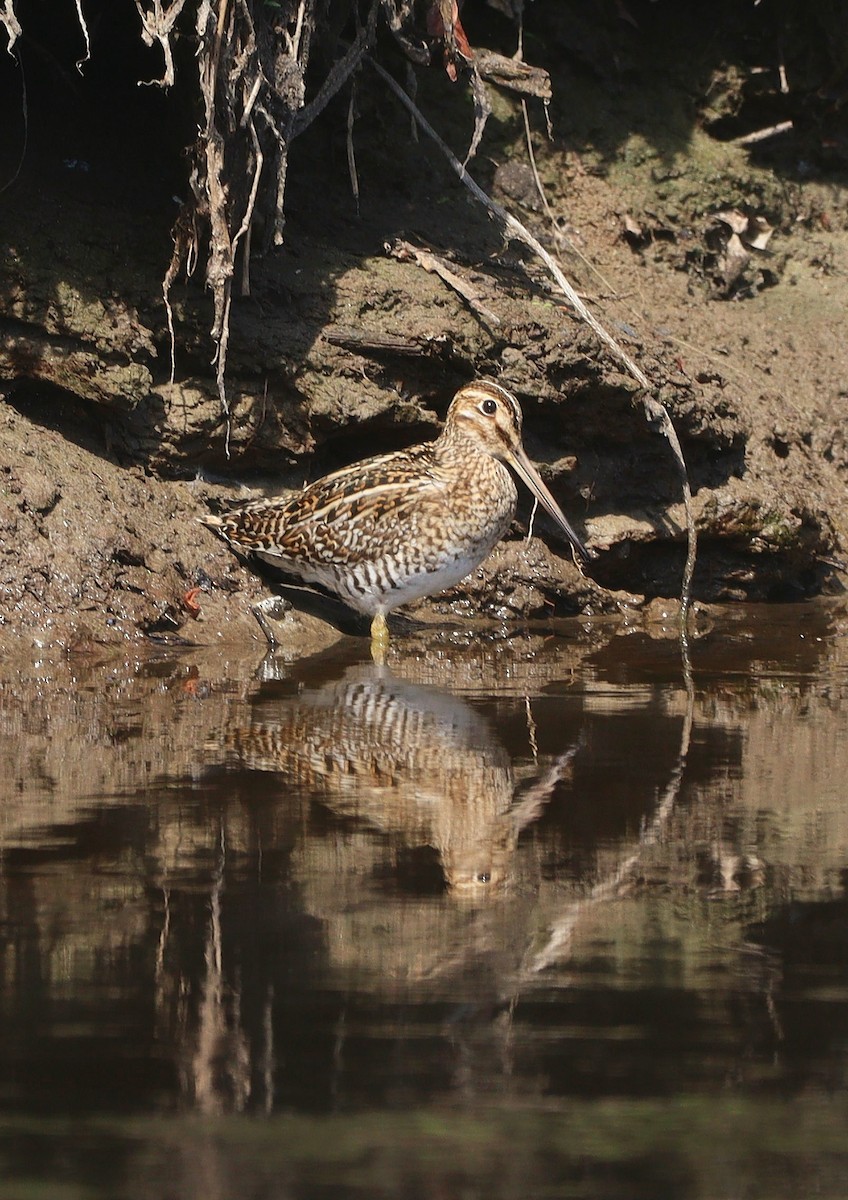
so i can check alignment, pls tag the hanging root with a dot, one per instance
(251, 64)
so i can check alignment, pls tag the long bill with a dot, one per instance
(528, 474)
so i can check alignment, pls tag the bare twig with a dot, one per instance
(406, 252)
(532, 157)
(244, 228)
(561, 238)
(761, 135)
(482, 111)
(513, 229)
(351, 152)
(338, 76)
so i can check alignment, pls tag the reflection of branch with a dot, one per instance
(86, 38)
(529, 808)
(220, 1043)
(559, 940)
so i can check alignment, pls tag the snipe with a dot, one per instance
(392, 529)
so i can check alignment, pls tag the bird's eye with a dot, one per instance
(488, 407)
(482, 877)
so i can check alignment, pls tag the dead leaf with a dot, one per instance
(733, 219)
(759, 232)
(443, 22)
(732, 238)
(754, 231)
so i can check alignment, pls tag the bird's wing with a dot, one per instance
(350, 512)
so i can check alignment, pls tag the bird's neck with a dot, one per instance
(454, 446)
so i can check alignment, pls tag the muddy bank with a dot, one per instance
(347, 346)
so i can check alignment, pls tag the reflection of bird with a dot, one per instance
(414, 762)
(392, 529)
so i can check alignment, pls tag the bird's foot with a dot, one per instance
(274, 607)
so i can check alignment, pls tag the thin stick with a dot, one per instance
(761, 135)
(512, 228)
(351, 152)
(532, 157)
(560, 237)
(406, 252)
(245, 228)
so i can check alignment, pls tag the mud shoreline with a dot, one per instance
(346, 348)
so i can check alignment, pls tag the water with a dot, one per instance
(517, 916)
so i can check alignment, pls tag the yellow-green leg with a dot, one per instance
(379, 638)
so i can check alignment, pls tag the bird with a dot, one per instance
(395, 528)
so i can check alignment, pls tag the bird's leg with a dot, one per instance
(275, 607)
(379, 639)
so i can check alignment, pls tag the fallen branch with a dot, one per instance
(386, 343)
(512, 228)
(406, 252)
(762, 135)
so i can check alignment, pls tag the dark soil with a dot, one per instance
(344, 347)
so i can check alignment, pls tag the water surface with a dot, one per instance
(527, 915)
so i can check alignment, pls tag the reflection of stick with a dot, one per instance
(561, 933)
(512, 228)
(530, 806)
